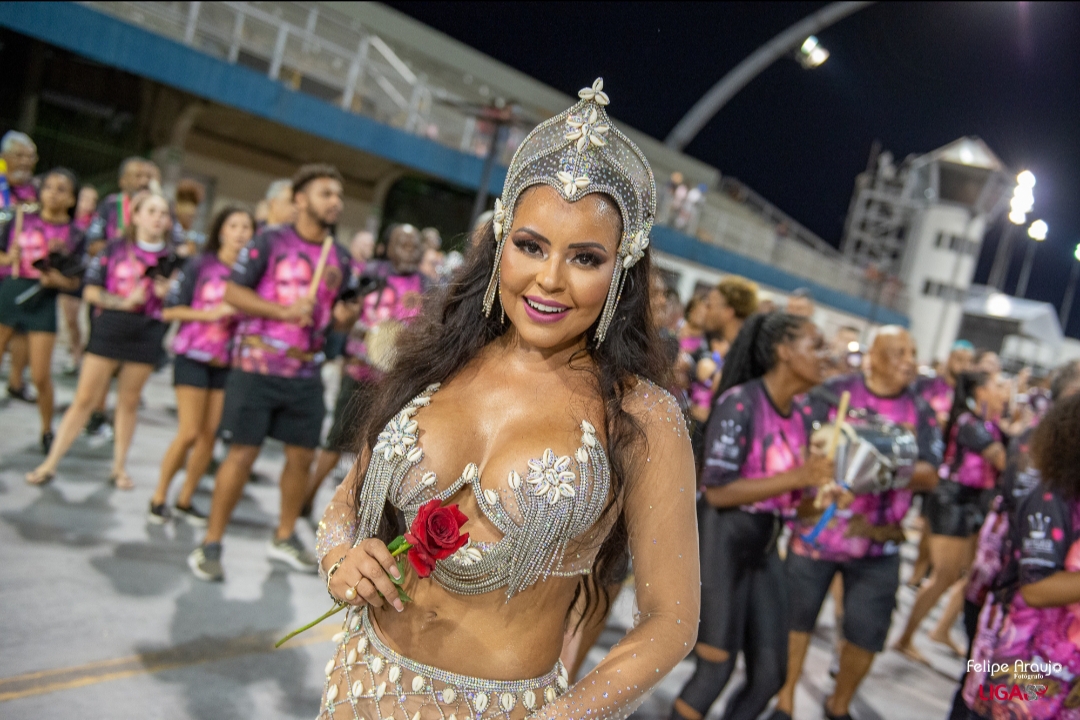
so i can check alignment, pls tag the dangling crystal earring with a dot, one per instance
(502, 306)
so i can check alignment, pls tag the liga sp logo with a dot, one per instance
(1003, 692)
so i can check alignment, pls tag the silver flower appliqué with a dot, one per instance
(586, 130)
(572, 184)
(498, 217)
(595, 93)
(551, 477)
(397, 438)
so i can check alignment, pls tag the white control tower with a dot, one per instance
(923, 222)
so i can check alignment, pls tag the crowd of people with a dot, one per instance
(758, 388)
(982, 466)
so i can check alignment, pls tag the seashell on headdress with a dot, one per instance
(579, 152)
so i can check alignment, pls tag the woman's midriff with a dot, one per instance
(482, 636)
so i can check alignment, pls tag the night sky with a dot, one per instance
(914, 76)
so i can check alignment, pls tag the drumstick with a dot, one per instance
(830, 453)
(841, 413)
(313, 289)
(15, 237)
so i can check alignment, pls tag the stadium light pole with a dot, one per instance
(1070, 290)
(1037, 232)
(1023, 199)
(794, 37)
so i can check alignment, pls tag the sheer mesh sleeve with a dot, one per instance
(662, 525)
(339, 521)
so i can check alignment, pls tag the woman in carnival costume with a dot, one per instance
(530, 395)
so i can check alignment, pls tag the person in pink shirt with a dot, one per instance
(292, 319)
(42, 260)
(955, 510)
(203, 346)
(1026, 655)
(398, 291)
(757, 464)
(126, 284)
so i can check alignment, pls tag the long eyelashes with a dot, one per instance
(531, 247)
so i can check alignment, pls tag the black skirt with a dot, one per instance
(956, 510)
(128, 337)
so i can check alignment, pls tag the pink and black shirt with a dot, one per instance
(36, 240)
(964, 463)
(1046, 540)
(748, 438)
(398, 298)
(125, 265)
(279, 265)
(848, 536)
(201, 286)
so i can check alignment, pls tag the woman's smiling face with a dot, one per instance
(557, 266)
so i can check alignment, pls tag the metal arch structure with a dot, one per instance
(711, 102)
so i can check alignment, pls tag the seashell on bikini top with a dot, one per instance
(547, 513)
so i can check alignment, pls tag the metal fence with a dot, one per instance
(322, 53)
(317, 51)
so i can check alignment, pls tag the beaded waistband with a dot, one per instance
(465, 682)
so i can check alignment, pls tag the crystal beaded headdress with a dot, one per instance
(579, 152)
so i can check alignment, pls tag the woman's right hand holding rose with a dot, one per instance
(366, 569)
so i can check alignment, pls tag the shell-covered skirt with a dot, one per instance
(366, 680)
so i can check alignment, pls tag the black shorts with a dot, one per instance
(128, 337)
(35, 314)
(956, 510)
(198, 374)
(870, 586)
(350, 410)
(259, 406)
(742, 580)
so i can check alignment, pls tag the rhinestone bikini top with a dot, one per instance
(547, 517)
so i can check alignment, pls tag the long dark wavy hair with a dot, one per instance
(454, 322)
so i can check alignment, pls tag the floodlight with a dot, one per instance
(811, 54)
(1038, 230)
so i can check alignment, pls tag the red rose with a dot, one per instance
(435, 534)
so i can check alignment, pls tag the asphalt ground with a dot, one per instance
(102, 619)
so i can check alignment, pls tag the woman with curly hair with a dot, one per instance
(1037, 618)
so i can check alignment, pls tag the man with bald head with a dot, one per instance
(862, 541)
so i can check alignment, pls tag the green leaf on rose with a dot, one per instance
(395, 544)
(403, 596)
(400, 579)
